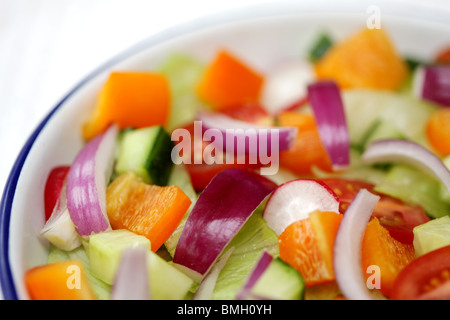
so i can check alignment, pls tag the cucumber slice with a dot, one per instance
(280, 282)
(147, 153)
(183, 73)
(253, 239)
(105, 251)
(166, 281)
(432, 235)
(413, 186)
(101, 289)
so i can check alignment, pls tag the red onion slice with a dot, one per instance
(348, 245)
(326, 102)
(261, 266)
(131, 281)
(219, 213)
(206, 288)
(86, 183)
(244, 138)
(286, 85)
(408, 152)
(432, 83)
(295, 200)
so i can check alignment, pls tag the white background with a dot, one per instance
(47, 46)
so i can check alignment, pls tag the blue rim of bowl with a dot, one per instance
(7, 286)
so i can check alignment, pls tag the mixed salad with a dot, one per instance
(156, 206)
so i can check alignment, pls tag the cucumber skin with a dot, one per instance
(159, 162)
(146, 152)
(280, 281)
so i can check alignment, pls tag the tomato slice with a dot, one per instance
(425, 278)
(398, 217)
(53, 186)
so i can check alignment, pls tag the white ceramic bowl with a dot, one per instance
(263, 36)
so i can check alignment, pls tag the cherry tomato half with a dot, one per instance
(425, 278)
(53, 186)
(398, 217)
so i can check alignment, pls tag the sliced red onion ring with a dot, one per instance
(295, 200)
(59, 228)
(286, 85)
(393, 150)
(348, 244)
(87, 181)
(206, 288)
(131, 281)
(219, 213)
(261, 266)
(432, 83)
(326, 103)
(246, 138)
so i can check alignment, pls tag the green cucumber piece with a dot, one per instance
(280, 282)
(252, 240)
(105, 251)
(147, 153)
(414, 186)
(166, 281)
(432, 235)
(183, 73)
(100, 288)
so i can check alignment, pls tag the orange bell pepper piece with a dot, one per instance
(389, 255)
(148, 210)
(59, 281)
(365, 60)
(130, 99)
(438, 131)
(307, 150)
(307, 245)
(229, 82)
